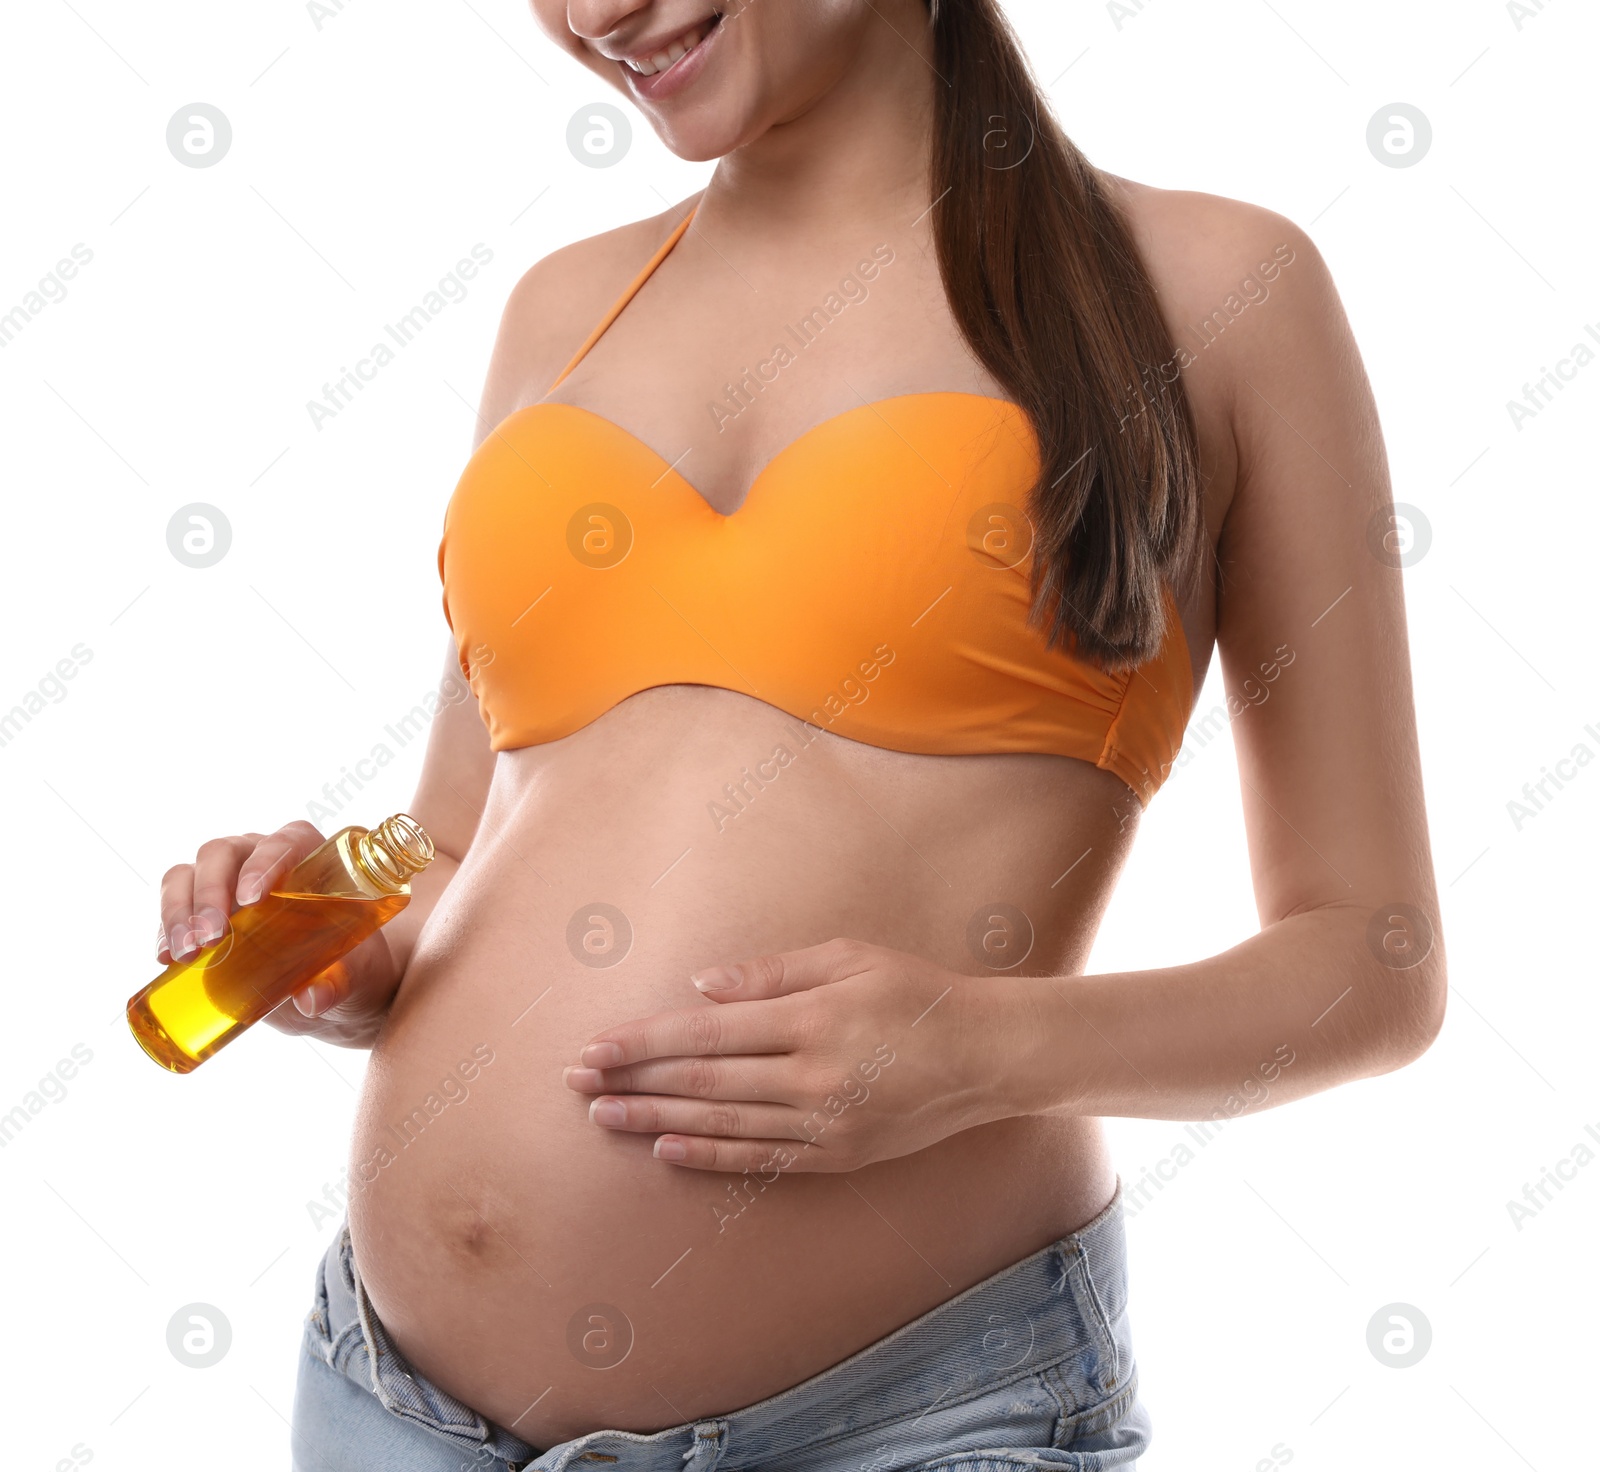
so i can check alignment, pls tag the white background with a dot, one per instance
(370, 155)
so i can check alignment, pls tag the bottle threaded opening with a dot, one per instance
(395, 850)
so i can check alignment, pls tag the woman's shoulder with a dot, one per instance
(1232, 272)
(1195, 242)
(1248, 301)
(560, 299)
(1240, 285)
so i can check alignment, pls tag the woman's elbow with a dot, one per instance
(1415, 1015)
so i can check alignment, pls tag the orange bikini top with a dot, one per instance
(874, 583)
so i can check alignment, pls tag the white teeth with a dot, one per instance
(670, 57)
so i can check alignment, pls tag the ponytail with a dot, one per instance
(1048, 289)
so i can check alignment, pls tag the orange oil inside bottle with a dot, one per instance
(272, 949)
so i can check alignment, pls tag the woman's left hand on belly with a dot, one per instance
(823, 1059)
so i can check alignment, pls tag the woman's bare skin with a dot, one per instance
(501, 1221)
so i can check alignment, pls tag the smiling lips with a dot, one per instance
(670, 56)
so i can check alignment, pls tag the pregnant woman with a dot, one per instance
(839, 559)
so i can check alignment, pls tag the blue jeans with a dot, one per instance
(1032, 1368)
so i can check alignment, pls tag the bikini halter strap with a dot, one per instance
(624, 299)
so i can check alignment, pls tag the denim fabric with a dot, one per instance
(1032, 1368)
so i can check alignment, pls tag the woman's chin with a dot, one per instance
(701, 140)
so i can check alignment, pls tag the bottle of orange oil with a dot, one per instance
(324, 907)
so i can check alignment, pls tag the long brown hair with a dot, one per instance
(1049, 291)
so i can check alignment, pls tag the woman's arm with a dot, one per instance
(449, 801)
(545, 317)
(1347, 972)
(348, 1002)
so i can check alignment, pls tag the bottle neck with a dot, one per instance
(391, 853)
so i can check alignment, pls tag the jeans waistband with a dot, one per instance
(1058, 1303)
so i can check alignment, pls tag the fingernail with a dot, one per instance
(314, 999)
(182, 942)
(602, 1055)
(585, 1080)
(249, 891)
(212, 924)
(609, 1112)
(666, 1149)
(716, 979)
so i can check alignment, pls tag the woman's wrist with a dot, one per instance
(1013, 1051)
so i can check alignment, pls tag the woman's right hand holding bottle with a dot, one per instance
(344, 1004)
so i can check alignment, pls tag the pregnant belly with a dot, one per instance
(553, 1274)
